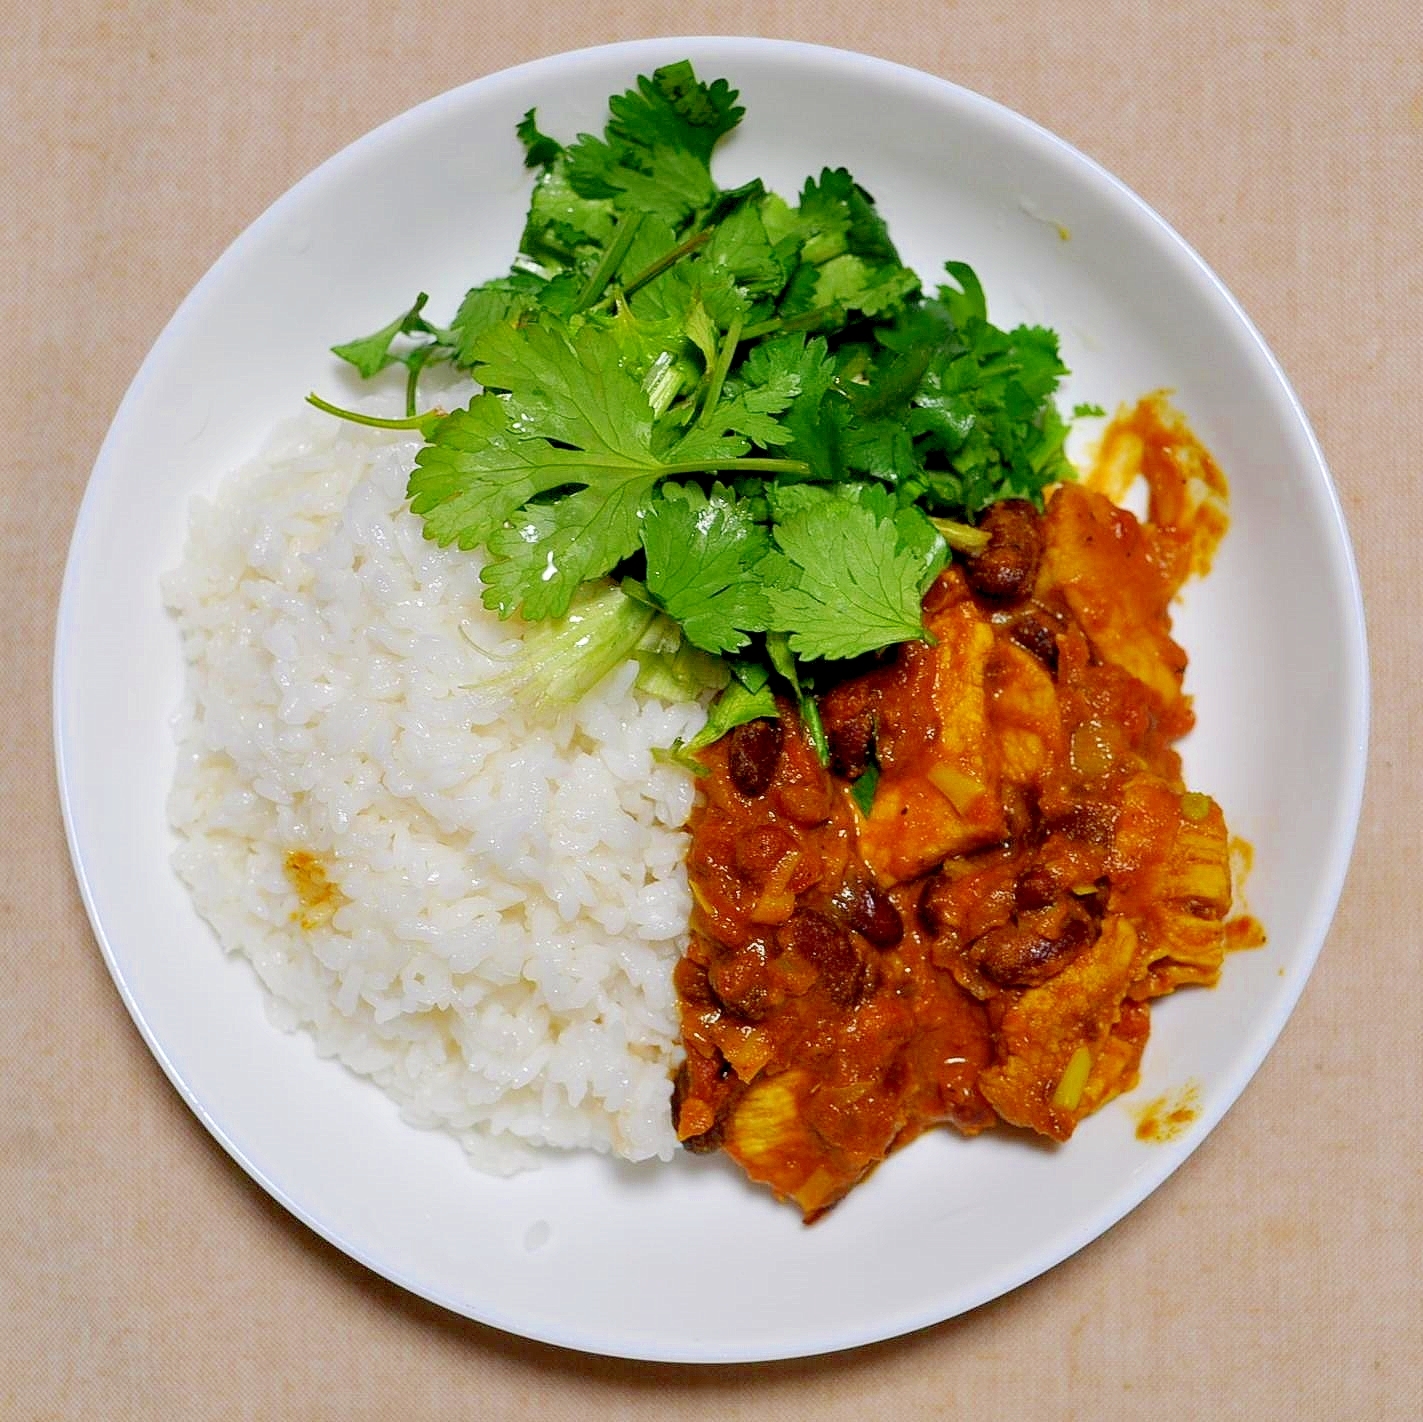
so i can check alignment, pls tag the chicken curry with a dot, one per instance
(963, 917)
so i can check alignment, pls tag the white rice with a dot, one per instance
(515, 897)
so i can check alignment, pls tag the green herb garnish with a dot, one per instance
(862, 791)
(745, 414)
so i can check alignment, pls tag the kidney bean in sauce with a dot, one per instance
(1036, 635)
(1007, 567)
(753, 754)
(820, 940)
(1018, 956)
(871, 913)
(850, 742)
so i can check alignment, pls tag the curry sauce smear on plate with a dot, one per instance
(963, 919)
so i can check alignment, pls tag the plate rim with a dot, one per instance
(1329, 885)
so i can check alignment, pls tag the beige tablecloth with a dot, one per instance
(142, 1275)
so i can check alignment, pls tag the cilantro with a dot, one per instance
(681, 673)
(982, 414)
(730, 434)
(655, 154)
(779, 654)
(702, 554)
(565, 230)
(674, 109)
(371, 354)
(486, 306)
(748, 697)
(841, 584)
(801, 375)
(563, 660)
(862, 790)
(571, 419)
(539, 149)
(1085, 411)
(847, 260)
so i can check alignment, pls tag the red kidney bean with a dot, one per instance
(820, 940)
(1037, 636)
(1008, 566)
(1017, 956)
(753, 754)
(869, 912)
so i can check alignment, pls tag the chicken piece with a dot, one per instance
(1024, 714)
(899, 1063)
(1171, 873)
(1102, 562)
(772, 1133)
(939, 788)
(1187, 951)
(1045, 1036)
(812, 1132)
(1116, 1066)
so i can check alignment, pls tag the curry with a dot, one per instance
(978, 942)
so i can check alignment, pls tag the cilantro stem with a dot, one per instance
(806, 321)
(424, 423)
(752, 465)
(417, 362)
(611, 259)
(717, 374)
(961, 537)
(667, 259)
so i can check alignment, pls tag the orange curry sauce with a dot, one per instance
(982, 946)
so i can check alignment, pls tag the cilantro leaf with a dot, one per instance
(848, 262)
(740, 248)
(916, 538)
(705, 447)
(702, 554)
(664, 182)
(674, 109)
(572, 419)
(656, 151)
(567, 385)
(372, 354)
(539, 149)
(565, 229)
(748, 697)
(850, 283)
(578, 419)
(836, 215)
(839, 582)
(484, 307)
(784, 369)
(539, 560)
(799, 374)
(966, 302)
(752, 414)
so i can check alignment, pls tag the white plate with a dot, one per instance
(687, 1262)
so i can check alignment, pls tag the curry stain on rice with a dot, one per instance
(318, 894)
